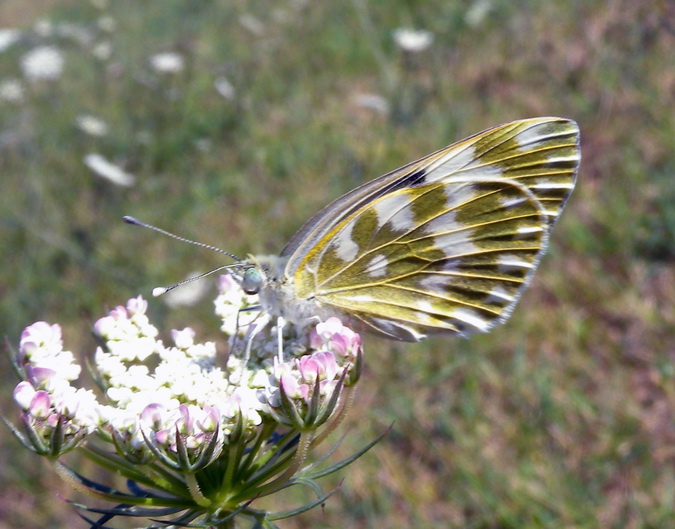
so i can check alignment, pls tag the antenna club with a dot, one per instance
(131, 220)
(158, 291)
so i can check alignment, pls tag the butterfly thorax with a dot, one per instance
(277, 292)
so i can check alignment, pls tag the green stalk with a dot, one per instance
(342, 413)
(297, 462)
(195, 491)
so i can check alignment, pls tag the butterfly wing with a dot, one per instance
(536, 144)
(445, 244)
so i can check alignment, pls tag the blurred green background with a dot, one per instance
(233, 121)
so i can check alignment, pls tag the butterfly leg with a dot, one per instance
(253, 330)
(280, 338)
(235, 336)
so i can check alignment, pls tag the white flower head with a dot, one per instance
(251, 23)
(43, 63)
(44, 27)
(185, 407)
(11, 90)
(107, 23)
(372, 102)
(229, 305)
(224, 88)
(8, 37)
(41, 335)
(91, 125)
(413, 40)
(167, 62)
(23, 394)
(477, 12)
(102, 50)
(178, 397)
(108, 170)
(183, 339)
(76, 32)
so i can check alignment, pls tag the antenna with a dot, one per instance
(136, 222)
(158, 291)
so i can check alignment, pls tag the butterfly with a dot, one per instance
(443, 245)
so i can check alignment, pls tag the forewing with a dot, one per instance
(448, 243)
(542, 153)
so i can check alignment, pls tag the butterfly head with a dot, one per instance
(265, 275)
(259, 273)
(252, 280)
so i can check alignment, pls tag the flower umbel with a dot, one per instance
(203, 439)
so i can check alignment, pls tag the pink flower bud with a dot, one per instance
(118, 313)
(292, 388)
(226, 283)
(103, 325)
(320, 365)
(339, 343)
(185, 423)
(210, 420)
(324, 332)
(53, 420)
(333, 336)
(310, 368)
(152, 414)
(40, 405)
(23, 394)
(329, 367)
(40, 334)
(163, 436)
(137, 305)
(39, 376)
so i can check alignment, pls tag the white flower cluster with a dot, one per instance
(413, 40)
(186, 398)
(44, 63)
(48, 399)
(231, 305)
(167, 62)
(185, 379)
(9, 37)
(108, 170)
(91, 125)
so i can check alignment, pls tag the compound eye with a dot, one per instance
(252, 281)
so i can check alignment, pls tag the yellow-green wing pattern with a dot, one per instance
(448, 243)
(554, 142)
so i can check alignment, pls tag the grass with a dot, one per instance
(561, 418)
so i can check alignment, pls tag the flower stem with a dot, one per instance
(195, 492)
(298, 459)
(254, 452)
(335, 422)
